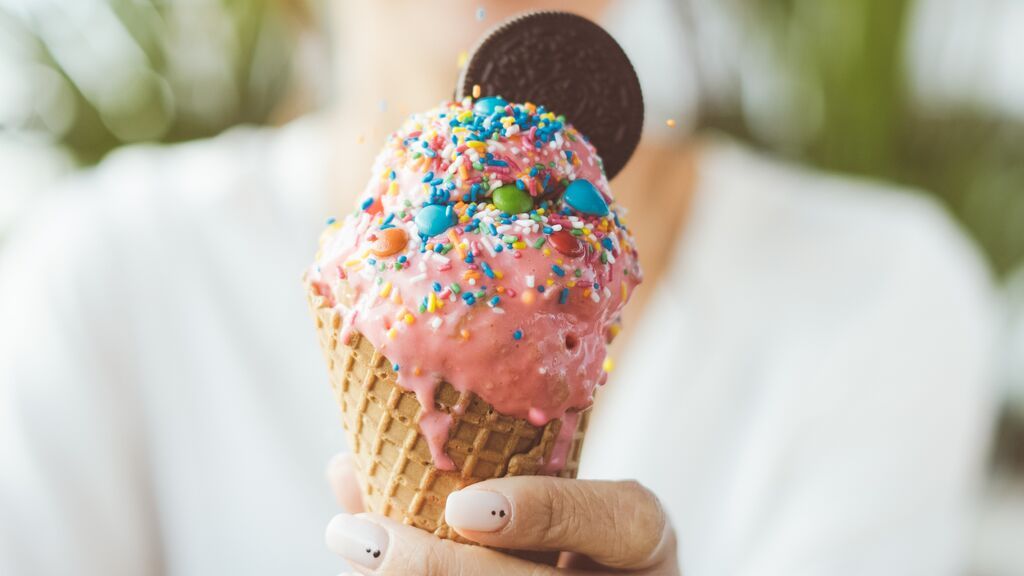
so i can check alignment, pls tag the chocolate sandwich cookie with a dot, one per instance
(569, 65)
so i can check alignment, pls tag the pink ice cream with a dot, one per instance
(486, 252)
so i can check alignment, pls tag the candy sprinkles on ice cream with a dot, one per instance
(483, 182)
(486, 251)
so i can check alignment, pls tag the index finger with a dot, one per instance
(619, 524)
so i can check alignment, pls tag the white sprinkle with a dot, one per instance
(577, 224)
(530, 281)
(472, 282)
(542, 370)
(594, 296)
(417, 278)
(497, 310)
(556, 227)
(611, 259)
(436, 322)
(487, 244)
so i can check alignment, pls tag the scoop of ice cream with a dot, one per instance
(488, 252)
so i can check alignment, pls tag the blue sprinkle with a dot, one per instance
(392, 175)
(468, 298)
(487, 269)
(563, 296)
(428, 177)
(557, 270)
(402, 258)
(395, 367)
(607, 243)
(331, 220)
(548, 229)
(495, 301)
(541, 288)
(518, 334)
(437, 286)
(366, 203)
(469, 258)
(498, 248)
(386, 220)
(372, 261)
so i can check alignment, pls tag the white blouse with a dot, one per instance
(809, 394)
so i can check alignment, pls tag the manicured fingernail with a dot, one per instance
(357, 540)
(477, 510)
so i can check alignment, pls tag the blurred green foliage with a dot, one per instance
(148, 70)
(849, 92)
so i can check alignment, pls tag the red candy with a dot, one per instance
(389, 242)
(567, 244)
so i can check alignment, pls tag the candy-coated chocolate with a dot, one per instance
(433, 219)
(390, 242)
(511, 200)
(582, 196)
(567, 244)
(485, 106)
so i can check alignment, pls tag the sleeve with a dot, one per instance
(74, 490)
(871, 453)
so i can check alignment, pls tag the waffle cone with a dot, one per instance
(381, 421)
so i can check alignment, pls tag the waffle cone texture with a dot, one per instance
(381, 420)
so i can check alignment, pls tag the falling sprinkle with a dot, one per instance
(671, 123)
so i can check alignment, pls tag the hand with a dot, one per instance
(607, 527)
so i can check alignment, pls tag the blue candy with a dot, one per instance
(485, 106)
(583, 197)
(434, 219)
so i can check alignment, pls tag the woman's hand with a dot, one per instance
(608, 527)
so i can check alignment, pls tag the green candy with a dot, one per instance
(511, 200)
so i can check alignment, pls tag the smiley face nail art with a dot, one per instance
(477, 510)
(357, 540)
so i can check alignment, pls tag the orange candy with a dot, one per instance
(389, 242)
(567, 244)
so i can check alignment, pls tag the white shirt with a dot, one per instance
(809, 393)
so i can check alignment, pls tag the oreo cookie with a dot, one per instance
(569, 65)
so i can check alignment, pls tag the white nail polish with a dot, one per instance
(357, 540)
(477, 510)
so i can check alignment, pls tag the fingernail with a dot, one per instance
(357, 540)
(477, 510)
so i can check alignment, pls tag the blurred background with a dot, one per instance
(925, 93)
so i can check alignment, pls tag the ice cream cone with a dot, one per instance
(398, 476)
